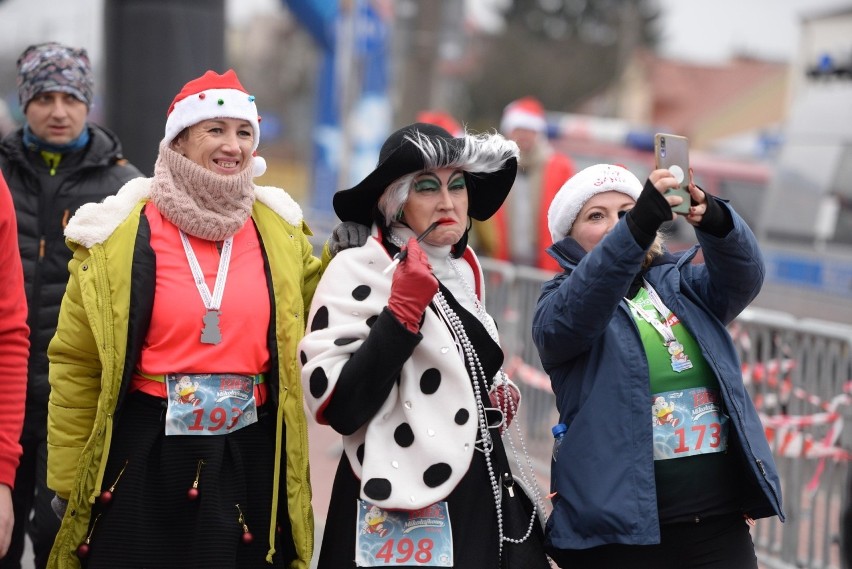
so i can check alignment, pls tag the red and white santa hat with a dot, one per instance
(442, 119)
(526, 112)
(580, 188)
(214, 96)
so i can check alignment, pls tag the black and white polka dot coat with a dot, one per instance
(411, 447)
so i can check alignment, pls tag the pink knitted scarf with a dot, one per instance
(200, 202)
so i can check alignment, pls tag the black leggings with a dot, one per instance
(720, 542)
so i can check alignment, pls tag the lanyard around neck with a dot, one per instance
(663, 327)
(215, 301)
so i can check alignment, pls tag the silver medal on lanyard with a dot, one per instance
(210, 333)
(680, 361)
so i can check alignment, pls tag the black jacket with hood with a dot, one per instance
(44, 201)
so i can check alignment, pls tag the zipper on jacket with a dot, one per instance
(52, 160)
(42, 243)
(737, 414)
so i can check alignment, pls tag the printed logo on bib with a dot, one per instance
(688, 422)
(209, 403)
(413, 538)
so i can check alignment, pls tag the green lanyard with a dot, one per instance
(52, 160)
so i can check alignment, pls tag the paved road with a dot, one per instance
(27, 561)
(325, 449)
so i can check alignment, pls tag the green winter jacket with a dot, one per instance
(89, 354)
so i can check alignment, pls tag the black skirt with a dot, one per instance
(150, 520)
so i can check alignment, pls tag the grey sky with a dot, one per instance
(713, 30)
(696, 30)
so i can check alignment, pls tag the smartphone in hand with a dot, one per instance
(672, 153)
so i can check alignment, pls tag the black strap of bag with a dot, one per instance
(523, 546)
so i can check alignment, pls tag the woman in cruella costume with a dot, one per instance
(402, 359)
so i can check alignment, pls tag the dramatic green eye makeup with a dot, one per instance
(430, 182)
(427, 183)
(457, 182)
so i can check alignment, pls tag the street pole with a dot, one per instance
(153, 47)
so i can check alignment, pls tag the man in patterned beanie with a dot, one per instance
(52, 67)
(53, 164)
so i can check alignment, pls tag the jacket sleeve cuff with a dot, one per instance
(649, 213)
(717, 220)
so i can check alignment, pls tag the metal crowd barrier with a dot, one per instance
(799, 373)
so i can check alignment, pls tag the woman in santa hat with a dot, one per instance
(628, 329)
(195, 280)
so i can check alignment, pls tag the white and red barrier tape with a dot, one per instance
(784, 432)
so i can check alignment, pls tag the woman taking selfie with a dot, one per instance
(664, 463)
(403, 360)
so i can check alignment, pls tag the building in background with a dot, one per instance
(806, 222)
(734, 107)
(775, 139)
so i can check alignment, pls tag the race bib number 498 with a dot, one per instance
(419, 538)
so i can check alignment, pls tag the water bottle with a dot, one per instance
(558, 431)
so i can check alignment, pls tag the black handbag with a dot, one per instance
(523, 530)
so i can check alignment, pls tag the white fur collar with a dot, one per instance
(94, 222)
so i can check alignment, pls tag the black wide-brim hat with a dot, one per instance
(399, 156)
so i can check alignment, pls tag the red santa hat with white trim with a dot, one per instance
(526, 112)
(215, 96)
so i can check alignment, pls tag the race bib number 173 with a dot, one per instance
(688, 422)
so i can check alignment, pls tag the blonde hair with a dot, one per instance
(655, 251)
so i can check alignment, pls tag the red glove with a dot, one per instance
(413, 287)
(506, 396)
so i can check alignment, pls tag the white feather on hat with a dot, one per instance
(574, 194)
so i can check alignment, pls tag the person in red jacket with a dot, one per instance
(14, 351)
(442, 119)
(518, 232)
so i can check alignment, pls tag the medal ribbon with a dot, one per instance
(215, 301)
(664, 328)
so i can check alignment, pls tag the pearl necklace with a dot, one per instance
(457, 328)
(481, 314)
(508, 404)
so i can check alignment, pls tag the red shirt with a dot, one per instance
(173, 343)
